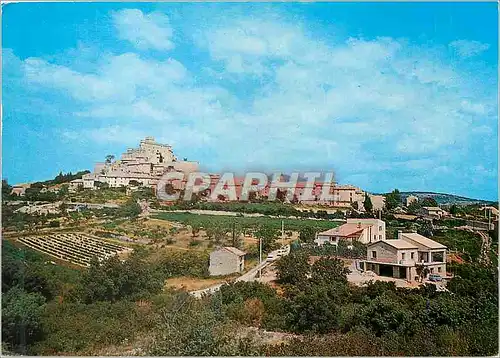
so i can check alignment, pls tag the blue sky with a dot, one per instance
(386, 95)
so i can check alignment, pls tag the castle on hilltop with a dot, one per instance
(141, 166)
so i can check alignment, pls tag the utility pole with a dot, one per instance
(260, 256)
(234, 242)
(282, 232)
(489, 219)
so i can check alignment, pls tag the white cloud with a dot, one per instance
(245, 45)
(468, 48)
(120, 79)
(89, 87)
(144, 31)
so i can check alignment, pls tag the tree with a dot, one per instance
(368, 203)
(64, 190)
(109, 158)
(6, 189)
(307, 234)
(414, 207)
(135, 183)
(221, 197)
(99, 185)
(216, 233)
(236, 231)
(253, 312)
(422, 271)
(169, 189)
(393, 199)
(293, 269)
(188, 328)
(425, 228)
(314, 310)
(454, 210)
(386, 314)
(338, 215)
(195, 229)
(21, 318)
(268, 235)
(321, 214)
(328, 269)
(252, 196)
(428, 201)
(281, 195)
(54, 223)
(113, 280)
(130, 209)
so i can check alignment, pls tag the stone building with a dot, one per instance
(378, 202)
(19, 189)
(226, 260)
(433, 212)
(75, 184)
(411, 199)
(144, 165)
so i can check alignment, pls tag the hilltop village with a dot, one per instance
(144, 166)
(360, 274)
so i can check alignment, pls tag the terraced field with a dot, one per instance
(76, 248)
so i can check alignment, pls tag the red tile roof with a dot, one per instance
(345, 230)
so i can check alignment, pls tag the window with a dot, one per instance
(439, 269)
(432, 269)
(411, 255)
(374, 254)
(380, 237)
(380, 228)
(403, 256)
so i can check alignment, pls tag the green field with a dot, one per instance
(467, 243)
(248, 222)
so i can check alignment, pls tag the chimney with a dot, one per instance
(399, 234)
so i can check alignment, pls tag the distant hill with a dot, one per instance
(444, 199)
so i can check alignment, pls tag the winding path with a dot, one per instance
(485, 247)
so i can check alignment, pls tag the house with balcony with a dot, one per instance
(363, 230)
(399, 258)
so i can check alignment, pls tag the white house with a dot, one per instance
(362, 230)
(399, 258)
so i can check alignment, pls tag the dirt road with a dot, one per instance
(485, 247)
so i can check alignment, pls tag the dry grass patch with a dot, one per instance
(192, 283)
(162, 223)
